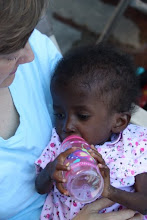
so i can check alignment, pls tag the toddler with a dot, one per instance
(94, 91)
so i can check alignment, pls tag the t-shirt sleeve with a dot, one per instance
(47, 57)
(49, 154)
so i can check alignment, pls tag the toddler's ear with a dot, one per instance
(121, 121)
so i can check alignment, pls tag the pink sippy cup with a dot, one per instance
(84, 180)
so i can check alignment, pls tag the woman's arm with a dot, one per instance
(90, 212)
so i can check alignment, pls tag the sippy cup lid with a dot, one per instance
(72, 137)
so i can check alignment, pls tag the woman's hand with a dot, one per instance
(90, 212)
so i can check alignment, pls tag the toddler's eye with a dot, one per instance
(59, 115)
(83, 117)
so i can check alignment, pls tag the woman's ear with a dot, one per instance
(121, 121)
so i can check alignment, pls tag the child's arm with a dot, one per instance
(53, 173)
(133, 200)
(44, 181)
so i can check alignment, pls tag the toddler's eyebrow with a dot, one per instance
(81, 107)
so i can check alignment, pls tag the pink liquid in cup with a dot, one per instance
(84, 181)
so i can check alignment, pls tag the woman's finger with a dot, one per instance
(99, 204)
(120, 215)
(137, 216)
(90, 212)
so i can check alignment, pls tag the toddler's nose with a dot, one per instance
(69, 126)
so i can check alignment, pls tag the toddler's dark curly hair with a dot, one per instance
(105, 68)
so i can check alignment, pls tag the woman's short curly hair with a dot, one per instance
(105, 68)
(18, 18)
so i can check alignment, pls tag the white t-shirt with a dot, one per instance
(30, 91)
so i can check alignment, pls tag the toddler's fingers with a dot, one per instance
(61, 158)
(97, 157)
(103, 166)
(95, 150)
(92, 147)
(68, 151)
(58, 178)
(104, 169)
(62, 167)
(62, 189)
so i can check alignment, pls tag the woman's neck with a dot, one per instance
(9, 118)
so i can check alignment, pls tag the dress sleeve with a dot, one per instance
(134, 158)
(49, 154)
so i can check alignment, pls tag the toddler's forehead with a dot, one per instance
(78, 86)
(83, 90)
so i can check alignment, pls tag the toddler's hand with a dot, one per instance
(58, 167)
(104, 169)
(96, 155)
(105, 172)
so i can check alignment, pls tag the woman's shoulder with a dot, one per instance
(43, 46)
(46, 55)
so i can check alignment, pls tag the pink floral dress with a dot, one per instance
(125, 155)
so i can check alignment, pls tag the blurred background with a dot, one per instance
(123, 23)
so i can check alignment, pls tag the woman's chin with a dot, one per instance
(8, 81)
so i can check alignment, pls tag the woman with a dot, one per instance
(25, 109)
(90, 212)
